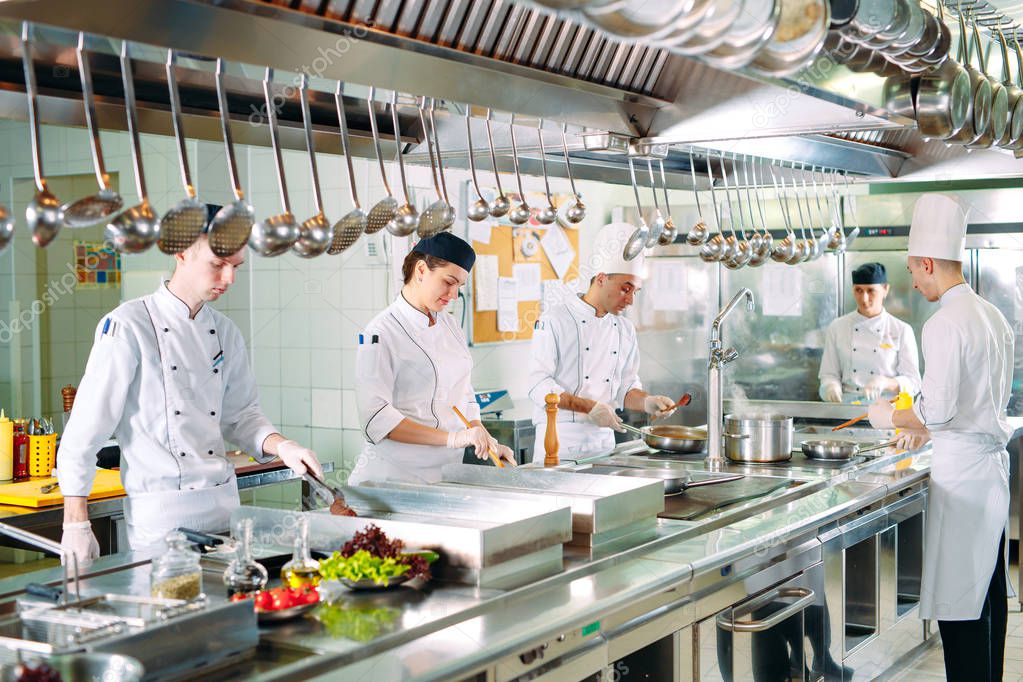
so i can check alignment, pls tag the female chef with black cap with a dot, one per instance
(413, 365)
(868, 352)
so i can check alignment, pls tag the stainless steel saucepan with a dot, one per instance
(758, 438)
(671, 437)
(838, 449)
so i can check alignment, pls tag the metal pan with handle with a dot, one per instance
(675, 481)
(671, 437)
(838, 449)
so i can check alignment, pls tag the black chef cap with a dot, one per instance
(870, 273)
(211, 210)
(447, 246)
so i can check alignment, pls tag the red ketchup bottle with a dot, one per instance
(20, 451)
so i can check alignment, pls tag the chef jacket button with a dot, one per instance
(213, 331)
(216, 371)
(586, 377)
(587, 347)
(177, 412)
(614, 352)
(210, 451)
(607, 381)
(856, 329)
(166, 329)
(213, 413)
(182, 454)
(174, 367)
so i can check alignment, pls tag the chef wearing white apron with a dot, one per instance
(413, 366)
(168, 376)
(968, 364)
(868, 353)
(585, 351)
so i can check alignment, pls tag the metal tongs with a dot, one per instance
(332, 494)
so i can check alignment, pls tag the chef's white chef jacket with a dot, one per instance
(858, 349)
(407, 368)
(592, 357)
(968, 363)
(171, 390)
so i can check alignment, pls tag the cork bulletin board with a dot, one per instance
(506, 244)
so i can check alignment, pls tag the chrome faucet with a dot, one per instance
(68, 563)
(719, 358)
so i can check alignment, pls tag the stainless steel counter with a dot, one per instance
(441, 631)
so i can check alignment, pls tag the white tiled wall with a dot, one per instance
(301, 318)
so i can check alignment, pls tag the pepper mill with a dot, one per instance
(550, 441)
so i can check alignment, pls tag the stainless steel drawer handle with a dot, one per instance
(806, 597)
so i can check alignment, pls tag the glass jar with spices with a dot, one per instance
(176, 574)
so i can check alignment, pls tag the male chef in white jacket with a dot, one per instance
(868, 352)
(968, 363)
(585, 351)
(168, 376)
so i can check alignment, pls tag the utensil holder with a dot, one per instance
(42, 454)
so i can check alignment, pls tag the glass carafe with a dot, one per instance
(302, 570)
(176, 574)
(243, 574)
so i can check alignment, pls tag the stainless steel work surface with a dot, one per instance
(599, 503)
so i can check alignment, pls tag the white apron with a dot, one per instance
(967, 510)
(434, 368)
(576, 440)
(150, 516)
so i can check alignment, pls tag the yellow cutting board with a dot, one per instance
(28, 493)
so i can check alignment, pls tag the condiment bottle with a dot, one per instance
(243, 574)
(6, 447)
(302, 570)
(176, 573)
(20, 452)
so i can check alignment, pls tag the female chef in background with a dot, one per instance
(869, 352)
(413, 365)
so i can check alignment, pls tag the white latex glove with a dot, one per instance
(79, 539)
(911, 440)
(475, 436)
(298, 458)
(875, 387)
(505, 454)
(659, 406)
(603, 414)
(833, 392)
(880, 414)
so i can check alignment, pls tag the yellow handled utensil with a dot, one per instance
(493, 457)
(857, 419)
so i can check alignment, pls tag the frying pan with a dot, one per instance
(671, 437)
(838, 449)
(675, 482)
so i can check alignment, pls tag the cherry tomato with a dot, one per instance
(282, 600)
(264, 601)
(240, 596)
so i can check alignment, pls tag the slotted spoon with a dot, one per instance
(351, 226)
(231, 226)
(181, 225)
(383, 211)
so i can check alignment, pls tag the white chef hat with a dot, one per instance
(938, 229)
(608, 248)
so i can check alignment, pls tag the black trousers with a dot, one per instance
(975, 649)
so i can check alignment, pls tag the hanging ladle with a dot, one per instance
(851, 236)
(44, 214)
(699, 233)
(755, 240)
(351, 226)
(314, 234)
(106, 202)
(713, 249)
(479, 209)
(232, 225)
(273, 236)
(406, 219)
(576, 211)
(759, 244)
(740, 248)
(670, 229)
(657, 227)
(447, 215)
(383, 211)
(500, 205)
(136, 229)
(786, 247)
(803, 246)
(549, 213)
(837, 241)
(729, 247)
(182, 224)
(635, 243)
(519, 214)
(433, 218)
(766, 240)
